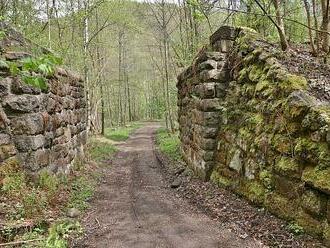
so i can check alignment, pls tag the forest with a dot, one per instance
(130, 52)
(164, 123)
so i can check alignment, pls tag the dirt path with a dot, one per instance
(134, 207)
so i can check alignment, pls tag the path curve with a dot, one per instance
(135, 208)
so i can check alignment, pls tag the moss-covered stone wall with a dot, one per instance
(42, 107)
(272, 135)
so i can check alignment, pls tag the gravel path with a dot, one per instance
(135, 207)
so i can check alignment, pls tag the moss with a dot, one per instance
(282, 144)
(220, 180)
(281, 206)
(262, 85)
(309, 223)
(288, 167)
(253, 190)
(326, 235)
(266, 178)
(255, 73)
(318, 178)
(293, 82)
(314, 152)
(313, 202)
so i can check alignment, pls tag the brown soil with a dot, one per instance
(136, 207)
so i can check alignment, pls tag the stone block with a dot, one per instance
(208, 65)
(317, 178)
(28, 124)
(236, 162)
(281, 206)
(27, 143)
(19, 87)
(5, 139)
(21, 103)
(290, 188)
(224, 33)
(313, 202)
(4, 86)
(7, 151)
(310, 224)
(208, 144)
(213, 75)
(289, 167)
(35, 160)
(208, 105)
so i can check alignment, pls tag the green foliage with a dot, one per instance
(169, 144)
(34, 71)
(295, 229)
(34, 202)
(81, 192)
(60, 231)
(121, 133)
(100, 151)
(48, 182)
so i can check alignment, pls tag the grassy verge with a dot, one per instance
(35, 208)
(169, 144)
(121, 133)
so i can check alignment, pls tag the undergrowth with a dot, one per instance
(169, 144)
(46, 197)
(121, 133)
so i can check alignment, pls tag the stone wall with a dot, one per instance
(250, 125)
(42, 128)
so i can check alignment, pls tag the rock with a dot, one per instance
(22, 103)
(179, 171)
(17, 55)
(236, 162)
(19, 87)
(27, 124)
(73, 213)
(176, 183)
(27, 143)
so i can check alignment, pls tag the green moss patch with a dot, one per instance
(317, 178)
(288, 167)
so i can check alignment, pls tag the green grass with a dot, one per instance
(100, 150)
(121, 133)
(169, 144)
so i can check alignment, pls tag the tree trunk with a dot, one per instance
(280, 26)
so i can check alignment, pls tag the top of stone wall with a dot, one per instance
(15, 47)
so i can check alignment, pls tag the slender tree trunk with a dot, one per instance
(309, 24)
(324, 37)
(280, 26)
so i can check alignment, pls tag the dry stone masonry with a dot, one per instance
(248, 124)
(42, 128)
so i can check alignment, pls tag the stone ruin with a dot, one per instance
(40, 127)
(248, 124)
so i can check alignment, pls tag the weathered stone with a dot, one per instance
(224, 33)
(73, 213)
(236, 161)
(282, 206)
(207, 65)
(309, 223)
(16, 55)
(22, 103)
(317, 178)
(27, 124)
(313, 202)
(26, 143)
(176, 183)
(5, 139)
(4, 87)
(19, 87)
(7, 151)
(212, 75)
(290, 188)
(288, 167)
(35, 160)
